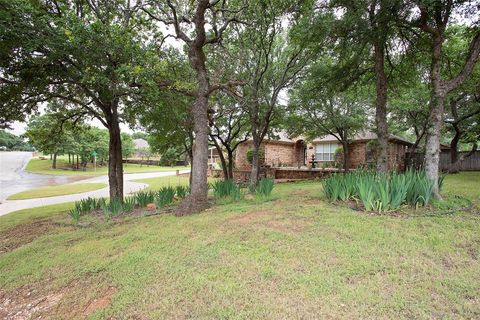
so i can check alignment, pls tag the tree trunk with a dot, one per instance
(437, 105)
(255, 174)
(346, 158)
(454, 150)
(456, 164)
(432, 147)
(230, 164)
(115, 165)
(222, 159)
(381, 108)
(197, 200)
(69, 159)
(190, 175)
(54, 161)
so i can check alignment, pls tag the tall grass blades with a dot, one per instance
(264, 187)
(380, 192)
(75, 213)
(340, 186)
(142, 198)
(420, 188)
(129, 204)
(182, 191)
(365, 191)
(441, 179)
(85, 206)
(164, 196)
(226, 188)
(113, 208)
(399, 186)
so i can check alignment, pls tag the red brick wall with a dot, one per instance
(241, 162)
(276, 154)
(283, 154)
(358, 155)
(280, 154)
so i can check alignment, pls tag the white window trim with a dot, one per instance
(331, 154)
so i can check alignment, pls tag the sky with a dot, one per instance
(18, 128)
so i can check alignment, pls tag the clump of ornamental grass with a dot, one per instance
(182, 191)
(85, 206)
(142, 198)
(264, 187)
(113, 208)
(164, 196)
(223, 189)
(381, 192)
(129, 204)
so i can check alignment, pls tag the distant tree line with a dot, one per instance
(14, 142)
(54, 134)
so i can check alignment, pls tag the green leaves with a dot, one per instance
(226, 189)
(380, 192)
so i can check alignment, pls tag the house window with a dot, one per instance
(325, 151)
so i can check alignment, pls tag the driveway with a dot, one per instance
(14, 178)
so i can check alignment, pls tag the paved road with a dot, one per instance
(13, 179)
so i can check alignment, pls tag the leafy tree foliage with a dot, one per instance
(316, 112)
(87, 56)
(433, 19)
(13, 142)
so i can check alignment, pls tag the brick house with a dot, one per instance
(296, 152)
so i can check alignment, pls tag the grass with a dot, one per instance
(294, 256)
(53, 191)
(466, 184)
(37, 165)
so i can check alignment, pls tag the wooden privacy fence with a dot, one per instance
(470, 163)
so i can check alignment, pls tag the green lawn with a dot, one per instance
(52, 191)
(466, 184)
(63, 168)
(157, 183)
(293, 257)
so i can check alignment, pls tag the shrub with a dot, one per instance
(380, 192)
(164, 196)
(182, 191)
(226, 188)
(85, 206)
(340, 187)
(113, 208)
(129, 204)
(75, 213)
(142, 198)
(264, 187)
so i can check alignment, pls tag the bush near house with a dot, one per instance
(380, 192)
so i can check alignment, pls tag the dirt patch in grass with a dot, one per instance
(25, 304)
(101, 302)
(77, 300)
(22, 234)
(252, 216)
(273, 221)
(472, 248)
